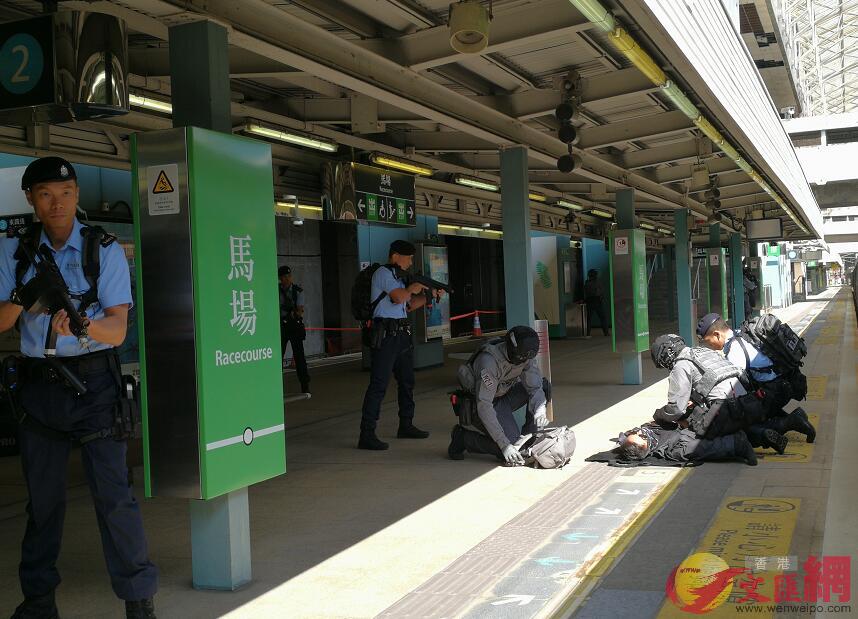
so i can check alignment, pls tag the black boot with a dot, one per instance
(409, 430)
(743, 450)
(774, 440)
(38, 607)
(140, 609)
(456, 450)
(368, 440)
(798, 421)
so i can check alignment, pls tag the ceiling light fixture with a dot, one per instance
(289, 137)
(601, 213)
(569, 205)
(476, 183)
(469, 26)
(647, 226)
(665, 231)
(150, 104)
(536, 196)
(403, 165)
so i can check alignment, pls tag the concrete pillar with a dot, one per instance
(625, 206)
(518, 275)
(714, 235)
(738, 310)
(199, 75)
(683, 277)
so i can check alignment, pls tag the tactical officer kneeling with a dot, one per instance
(67, 388)
(706, 395)
(498, 379)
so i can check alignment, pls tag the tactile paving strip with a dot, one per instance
(451, 591)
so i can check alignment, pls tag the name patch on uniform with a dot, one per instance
(488, 381)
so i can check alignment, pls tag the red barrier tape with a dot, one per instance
(469, 314)
(452, 318)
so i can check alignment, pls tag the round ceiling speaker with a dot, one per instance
(469, 27)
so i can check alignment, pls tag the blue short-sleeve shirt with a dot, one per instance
(761, 365)
(114, 288)
(383, 280)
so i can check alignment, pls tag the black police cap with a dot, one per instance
(46, 170)
(283, 271)
(403, 248)
(705, 323)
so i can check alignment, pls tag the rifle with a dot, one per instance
(431, 284)
(48, 293)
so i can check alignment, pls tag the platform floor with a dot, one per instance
(409, 533)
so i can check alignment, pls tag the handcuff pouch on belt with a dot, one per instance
(465, 407)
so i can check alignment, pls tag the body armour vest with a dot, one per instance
(714, 367)
(509, 372)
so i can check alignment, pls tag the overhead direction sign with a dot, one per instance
(384, 196)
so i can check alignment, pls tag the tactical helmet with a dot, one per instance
(522, 344)
(666, 349)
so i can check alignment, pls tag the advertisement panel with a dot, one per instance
(437, 312)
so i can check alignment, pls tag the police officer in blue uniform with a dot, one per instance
(391, 345)
(55, 417)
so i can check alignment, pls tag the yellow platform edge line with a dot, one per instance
(570, 603)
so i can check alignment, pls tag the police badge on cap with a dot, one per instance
(47, 170)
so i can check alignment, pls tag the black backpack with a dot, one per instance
(777, 341)
(362, 305)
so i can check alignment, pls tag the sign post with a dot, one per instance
(353, 191)
(716, 271)
(209, 344)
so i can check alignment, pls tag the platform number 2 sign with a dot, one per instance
(22, 63)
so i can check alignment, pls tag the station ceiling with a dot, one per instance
(380, 75)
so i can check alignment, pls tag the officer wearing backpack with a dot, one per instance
(389, 338)
(706, 395)
(292, 330)
(717, 335)
(498, 379)
(54, 416)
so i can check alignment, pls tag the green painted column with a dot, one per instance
(625, 207)
(199, 77)
(684, 306)
(669, 264)
(738, 310)
(518, 276)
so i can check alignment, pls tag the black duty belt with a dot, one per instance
(85, 365)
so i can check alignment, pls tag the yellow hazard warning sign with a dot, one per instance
(163, 184)
(163, 194)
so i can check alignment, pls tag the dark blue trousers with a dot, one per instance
(45, 460)
(395, 356)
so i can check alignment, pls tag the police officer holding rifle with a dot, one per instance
(68, 287)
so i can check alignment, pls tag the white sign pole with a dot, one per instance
(544, 358)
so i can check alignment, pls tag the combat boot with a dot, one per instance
(774, 440)
(37, 607)
(409, 430)
(742, 449)
(798, 421)
(140, 609)
(368, 440)
(456, 450)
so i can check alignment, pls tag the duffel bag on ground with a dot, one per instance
(550, 448)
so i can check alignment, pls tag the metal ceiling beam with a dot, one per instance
(535, 103)
(271, 32)
(523, 28)
(664, 123)
(683, 172)
(670, 153)
(341, 14)
(615, 85)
